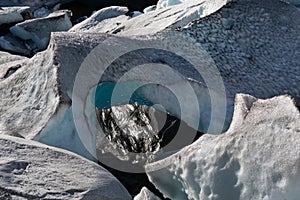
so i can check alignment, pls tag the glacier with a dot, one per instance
(257, 158)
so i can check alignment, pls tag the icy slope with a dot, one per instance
(30, 170)
(157, 21)
(255, 45)
(258, 158)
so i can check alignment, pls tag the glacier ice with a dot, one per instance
(13, 44)
(104, 14)
(257, 158)
(156, 21)
(145, 194)
(31, 29)
(13, 14)
(167, 3)
(31, 170)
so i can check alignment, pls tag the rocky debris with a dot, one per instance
(92, 23)
(13, 44)
(162, 19)
(14, 14)
(134, 128)
(31, 29)
(145, 194)
(31, 170)
(131, 127)
(255, 45)
(258, 158)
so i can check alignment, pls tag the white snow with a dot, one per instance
(258, 158)
(145, 194)
(149, 9)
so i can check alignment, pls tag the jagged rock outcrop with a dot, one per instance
(30, 170)
(258, 158)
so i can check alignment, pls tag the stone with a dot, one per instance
(14, 14)
(30, 170)
(39, 30)
(257, 158)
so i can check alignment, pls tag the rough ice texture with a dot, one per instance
(31, 29)
(41, 87)
(96, 19)
(145, 194)
(32, 88)
(16, 45)
(7, 57)
(258, 158)
(31, 3)
(255, 45)
(167, 3)
(256, 50)
(156, 21)
(12, 14)
(30, 170)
